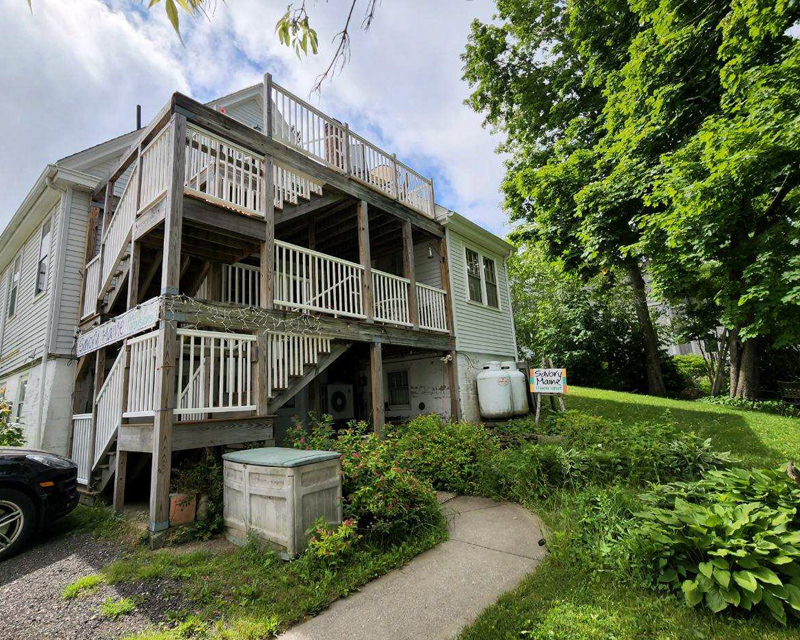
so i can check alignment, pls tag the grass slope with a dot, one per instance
(758, 439)
(560, 602)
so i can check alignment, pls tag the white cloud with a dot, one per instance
(78, 68)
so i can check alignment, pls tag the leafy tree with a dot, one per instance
(543, 76)
(728, 199)
(657, 132)
(588, 327)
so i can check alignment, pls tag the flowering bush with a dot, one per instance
(385, 500)
(454, 456)
(331, 545)
(10, 432)
(318, 437)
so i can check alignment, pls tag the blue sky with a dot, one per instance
(75, 70)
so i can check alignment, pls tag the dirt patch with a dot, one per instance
(31, 585)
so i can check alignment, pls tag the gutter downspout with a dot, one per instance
(65, 198)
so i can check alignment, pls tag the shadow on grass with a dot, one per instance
(757, 439)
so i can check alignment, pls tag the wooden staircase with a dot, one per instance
(297, 383)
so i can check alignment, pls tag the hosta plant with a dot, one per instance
(730, 540)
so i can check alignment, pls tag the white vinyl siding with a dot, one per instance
(23, 334)
(248, 112)
(427, 269)
(72, 277)
(473, 320)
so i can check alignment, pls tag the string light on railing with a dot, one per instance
(196, 313)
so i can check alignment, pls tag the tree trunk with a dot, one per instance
(655, 381)
(747, 383)
(734, 348)
(719, 373)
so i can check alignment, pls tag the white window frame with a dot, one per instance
(14, 279)
(482, 257)
(398, 407)
(48, 224)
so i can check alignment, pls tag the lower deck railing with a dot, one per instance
(312, 281)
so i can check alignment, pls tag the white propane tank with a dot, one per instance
(494, 392)
(519, 388)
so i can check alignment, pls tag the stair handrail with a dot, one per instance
(113, 384)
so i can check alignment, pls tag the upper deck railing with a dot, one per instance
(297, 124)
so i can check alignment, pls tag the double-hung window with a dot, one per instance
(13, 285)
(482, 279)
(490, 281)
(474, 276)
(399, 391)
(44, 256)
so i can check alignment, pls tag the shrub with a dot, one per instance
(778, 407)
(453, 456)
(386, 501)
(330, 545)
(532, 472)
(11, 434)
(730, 540)
(690, 367)
(604, 451)
(201, 476)
(592, 525)
(600, 452)
(318, 437)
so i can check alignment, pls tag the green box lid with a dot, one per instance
(279, 457)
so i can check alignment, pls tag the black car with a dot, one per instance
(36, 488)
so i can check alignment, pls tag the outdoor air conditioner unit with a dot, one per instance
(340, 401)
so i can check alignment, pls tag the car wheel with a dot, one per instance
(17, 514)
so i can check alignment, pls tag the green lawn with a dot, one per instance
(564, 601)
(758, 439)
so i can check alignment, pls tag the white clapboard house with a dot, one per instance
(204, 279)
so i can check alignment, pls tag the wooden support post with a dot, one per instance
(444, 269)
(314, 398)
(267, 104)
(347, 164)
(120, 473)
(376, 377)
(92, 233)
(163, 421)
(173, 217)
(312, 234)
(107, 208)
(365, 259)
(267, 292)
(410, 273)
(133, 273)
(452, 373)
(215, 282)
(262, 374)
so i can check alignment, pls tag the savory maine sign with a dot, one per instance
(548, 381)
(145, 316)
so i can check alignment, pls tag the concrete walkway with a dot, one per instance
(492, 546)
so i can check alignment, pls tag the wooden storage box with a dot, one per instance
(277, 494)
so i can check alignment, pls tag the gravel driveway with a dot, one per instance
(31, 585)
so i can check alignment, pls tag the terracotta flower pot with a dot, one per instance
(182, 508)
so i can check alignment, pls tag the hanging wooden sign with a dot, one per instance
(138, 319)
